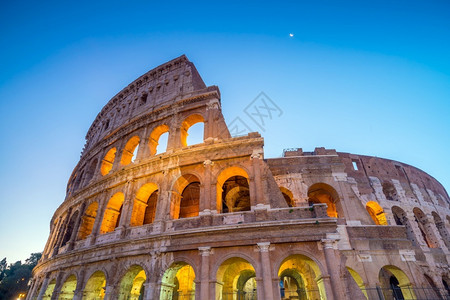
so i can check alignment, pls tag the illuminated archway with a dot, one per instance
(288, 196)
(302, 277)
(376, 212)
(68, 288)
(130, 151)
(187, 124)
(395, 284)
(112, 213)
(425, 228)
(236, 280)
(155, 137)
(132, 284)
(87, 221)
(178, 282)
(49, 290)
(144, 206)
(185, 197)
(359, 281)
(233, 191)
(324, 193)
(108, 161)
(95, 287)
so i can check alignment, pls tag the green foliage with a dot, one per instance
(14, 278)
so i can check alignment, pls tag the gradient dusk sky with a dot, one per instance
(366, 77)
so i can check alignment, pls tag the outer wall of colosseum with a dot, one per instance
(149, 216)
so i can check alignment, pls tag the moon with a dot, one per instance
(291, 34)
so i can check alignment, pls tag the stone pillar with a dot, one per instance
(127, 205)
(210, 130)
(76, 227)
(98, 220)
(332, 261)
(111, 292)
(78, 293)
(143, 150)
(258, 189)
(204, 273)
(43, 288)
(58, 285)
(205, 200)
(266, 271)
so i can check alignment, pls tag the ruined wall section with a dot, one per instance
(394, 181)
(161, 86)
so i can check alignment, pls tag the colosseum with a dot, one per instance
(149, 216)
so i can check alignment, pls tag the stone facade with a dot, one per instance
(217, 220)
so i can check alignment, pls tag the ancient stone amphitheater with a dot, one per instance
(147, 219)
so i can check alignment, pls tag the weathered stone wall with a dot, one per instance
(318, 224)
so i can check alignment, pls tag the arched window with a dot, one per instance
(389, 191)
(132, 283)
(112, 213)
(324, 193)
(425, 228)
(69, 228)
(237, 278)
(376, 212)
(144, 206)
(191, 126)
(87, 221)
(90, 171)
(401, 219)
(68, 288)
(130, 151)
(95, 286)
(288, 196)
(233, 191)
(185, 201)
(157, 143)
(301, 271)
(441, 228)
(108, 161)
(178, 282)
(395, 284)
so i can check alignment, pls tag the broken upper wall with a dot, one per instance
(398, 181)
(152, 91)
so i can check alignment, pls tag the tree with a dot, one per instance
(16, 276)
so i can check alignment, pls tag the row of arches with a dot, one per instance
(183, 201)
(393, 283)
(424, 234)
(235, 278)
(191, 132)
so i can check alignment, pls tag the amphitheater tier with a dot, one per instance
(145, 218)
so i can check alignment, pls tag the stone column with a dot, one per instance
(143, 150)
(204, 273)
(78, 293)
(58, 285)
(210, 130)
(98, 219)
(43, 288)
(76, 227)
(329, 246)
(205, 199)
(266, 271)
(258, 189)
(111, 292)
(127, 205)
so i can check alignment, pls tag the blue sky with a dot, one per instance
(363, 77)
